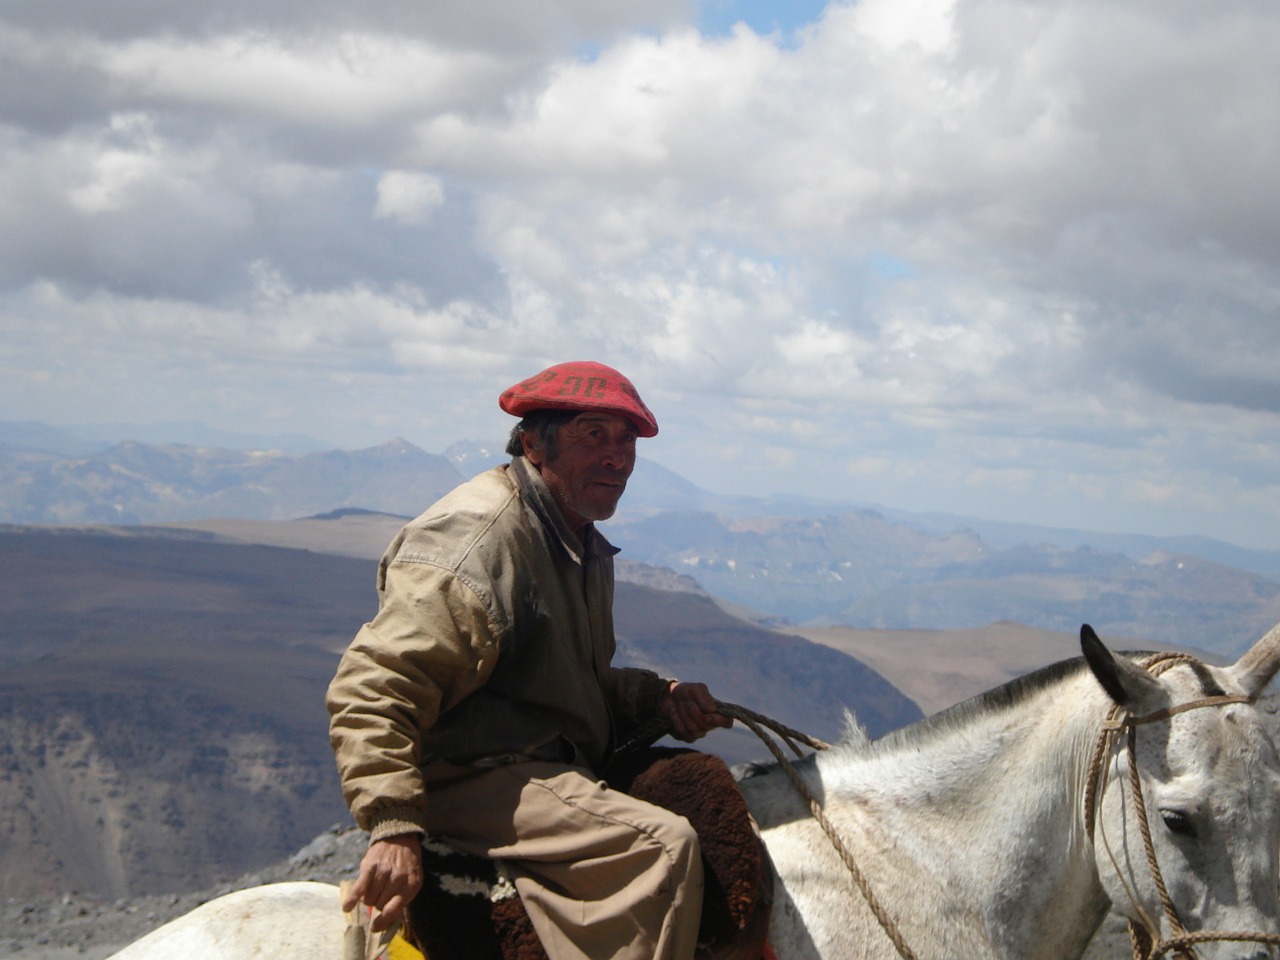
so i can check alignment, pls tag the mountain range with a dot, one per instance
(791, 560)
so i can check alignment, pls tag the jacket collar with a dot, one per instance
(534, 492)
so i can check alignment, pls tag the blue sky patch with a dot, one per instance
(762, 16)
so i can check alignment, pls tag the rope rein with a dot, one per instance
(756, 723)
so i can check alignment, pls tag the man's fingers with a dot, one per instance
(388, 915)
(377, 894)
(705, 700)
(355, 893)
(692, 711)
(374, 877)
(397, 901)
(390, 877)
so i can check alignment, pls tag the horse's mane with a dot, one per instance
(1004, 697)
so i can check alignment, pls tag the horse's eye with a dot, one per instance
(1178, 822)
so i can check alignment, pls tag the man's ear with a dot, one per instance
(531, 453)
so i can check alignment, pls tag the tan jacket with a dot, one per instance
(493, 640)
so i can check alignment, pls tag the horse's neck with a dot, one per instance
(1018, 763)
(986, 813)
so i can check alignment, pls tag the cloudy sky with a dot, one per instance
(1012, 258)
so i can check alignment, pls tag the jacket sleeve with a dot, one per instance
(431, 643)
(634, 695)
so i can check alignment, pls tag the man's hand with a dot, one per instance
(692, 711)
(390, 876)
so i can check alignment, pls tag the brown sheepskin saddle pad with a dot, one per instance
(468, 908)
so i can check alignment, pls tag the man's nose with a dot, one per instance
(616, 457)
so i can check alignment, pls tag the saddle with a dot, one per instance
(468, 908)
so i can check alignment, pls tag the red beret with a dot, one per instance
(580, 385)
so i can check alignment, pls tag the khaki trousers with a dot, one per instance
(603, 876)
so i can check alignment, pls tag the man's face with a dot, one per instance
(597, 452)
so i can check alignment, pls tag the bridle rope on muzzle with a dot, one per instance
(1144, 933)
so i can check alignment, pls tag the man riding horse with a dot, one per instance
(480, 704)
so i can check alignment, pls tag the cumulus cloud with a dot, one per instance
(408, 197)
(506, 25)
(993, 255)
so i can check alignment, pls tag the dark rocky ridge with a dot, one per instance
(76, 925)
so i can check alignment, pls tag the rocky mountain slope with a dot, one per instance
(79, 926)
(160, 707)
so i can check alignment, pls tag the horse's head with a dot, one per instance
(1189, 845)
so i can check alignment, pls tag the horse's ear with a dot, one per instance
(1126, 683)
(1254, 670)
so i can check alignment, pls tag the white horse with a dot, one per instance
(1004, 827)
(278, 921)
(976, 833)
